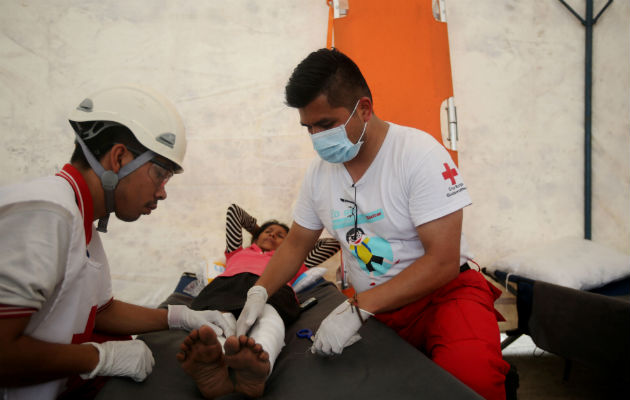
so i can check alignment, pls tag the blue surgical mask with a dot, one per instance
(333, 144)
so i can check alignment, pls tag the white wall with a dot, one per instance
(518, 76)
(517, 73)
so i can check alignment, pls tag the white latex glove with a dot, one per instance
(256, 300)
(182, 317)
(338, 330)
(130, 358)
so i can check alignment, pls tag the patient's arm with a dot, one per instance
(323, 250)
(236, 220)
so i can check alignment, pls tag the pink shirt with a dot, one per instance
(250, 259)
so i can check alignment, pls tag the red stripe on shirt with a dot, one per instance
(104, 306)
(82, 195)
(9, 311)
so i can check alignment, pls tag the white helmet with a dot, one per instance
(151, 118)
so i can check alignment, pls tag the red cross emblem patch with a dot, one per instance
(449, 173)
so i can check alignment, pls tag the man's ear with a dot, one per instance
(116, 157)
(365, 108)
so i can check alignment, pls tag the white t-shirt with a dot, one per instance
(412, 181)
(45, 270)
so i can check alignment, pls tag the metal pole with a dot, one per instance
(588, 23)
(588, 84)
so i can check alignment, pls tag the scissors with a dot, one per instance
(305, 334)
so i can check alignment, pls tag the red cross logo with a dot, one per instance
(450, 173)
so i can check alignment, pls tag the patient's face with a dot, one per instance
(271, 237)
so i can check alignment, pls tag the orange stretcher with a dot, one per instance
(401, 47)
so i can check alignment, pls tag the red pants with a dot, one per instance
(456, 326)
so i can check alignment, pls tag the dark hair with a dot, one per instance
(267, 225)
(328, 72)
(354, 234)
(100, 144)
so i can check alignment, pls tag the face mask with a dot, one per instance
(333, 144)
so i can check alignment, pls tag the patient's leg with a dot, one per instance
(201, 357)
(252, 358)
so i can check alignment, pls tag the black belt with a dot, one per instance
(464, 268)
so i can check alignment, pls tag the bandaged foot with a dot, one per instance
(250, 364)
(201, 357)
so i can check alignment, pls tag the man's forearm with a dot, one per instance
(286, 261)
(28, 361)
(282, 267)
(419, 279)
(122, 318)
(438, 266)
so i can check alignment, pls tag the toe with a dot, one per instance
(207, 335)
(183, 346)
(243, 340)
(251, 342)
(231, 345)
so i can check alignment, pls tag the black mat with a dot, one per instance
(380, 366)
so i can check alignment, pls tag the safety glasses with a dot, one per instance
(159, 172)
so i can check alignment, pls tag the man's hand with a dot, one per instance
(339, 329)
(256, 300)
(130, 358)
(182, 317)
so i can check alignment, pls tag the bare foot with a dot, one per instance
(250, 364)
(202, 358)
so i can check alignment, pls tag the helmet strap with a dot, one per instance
(109, 179)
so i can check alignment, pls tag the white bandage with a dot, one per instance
(269, 332)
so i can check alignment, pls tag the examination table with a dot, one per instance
(380, 366)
